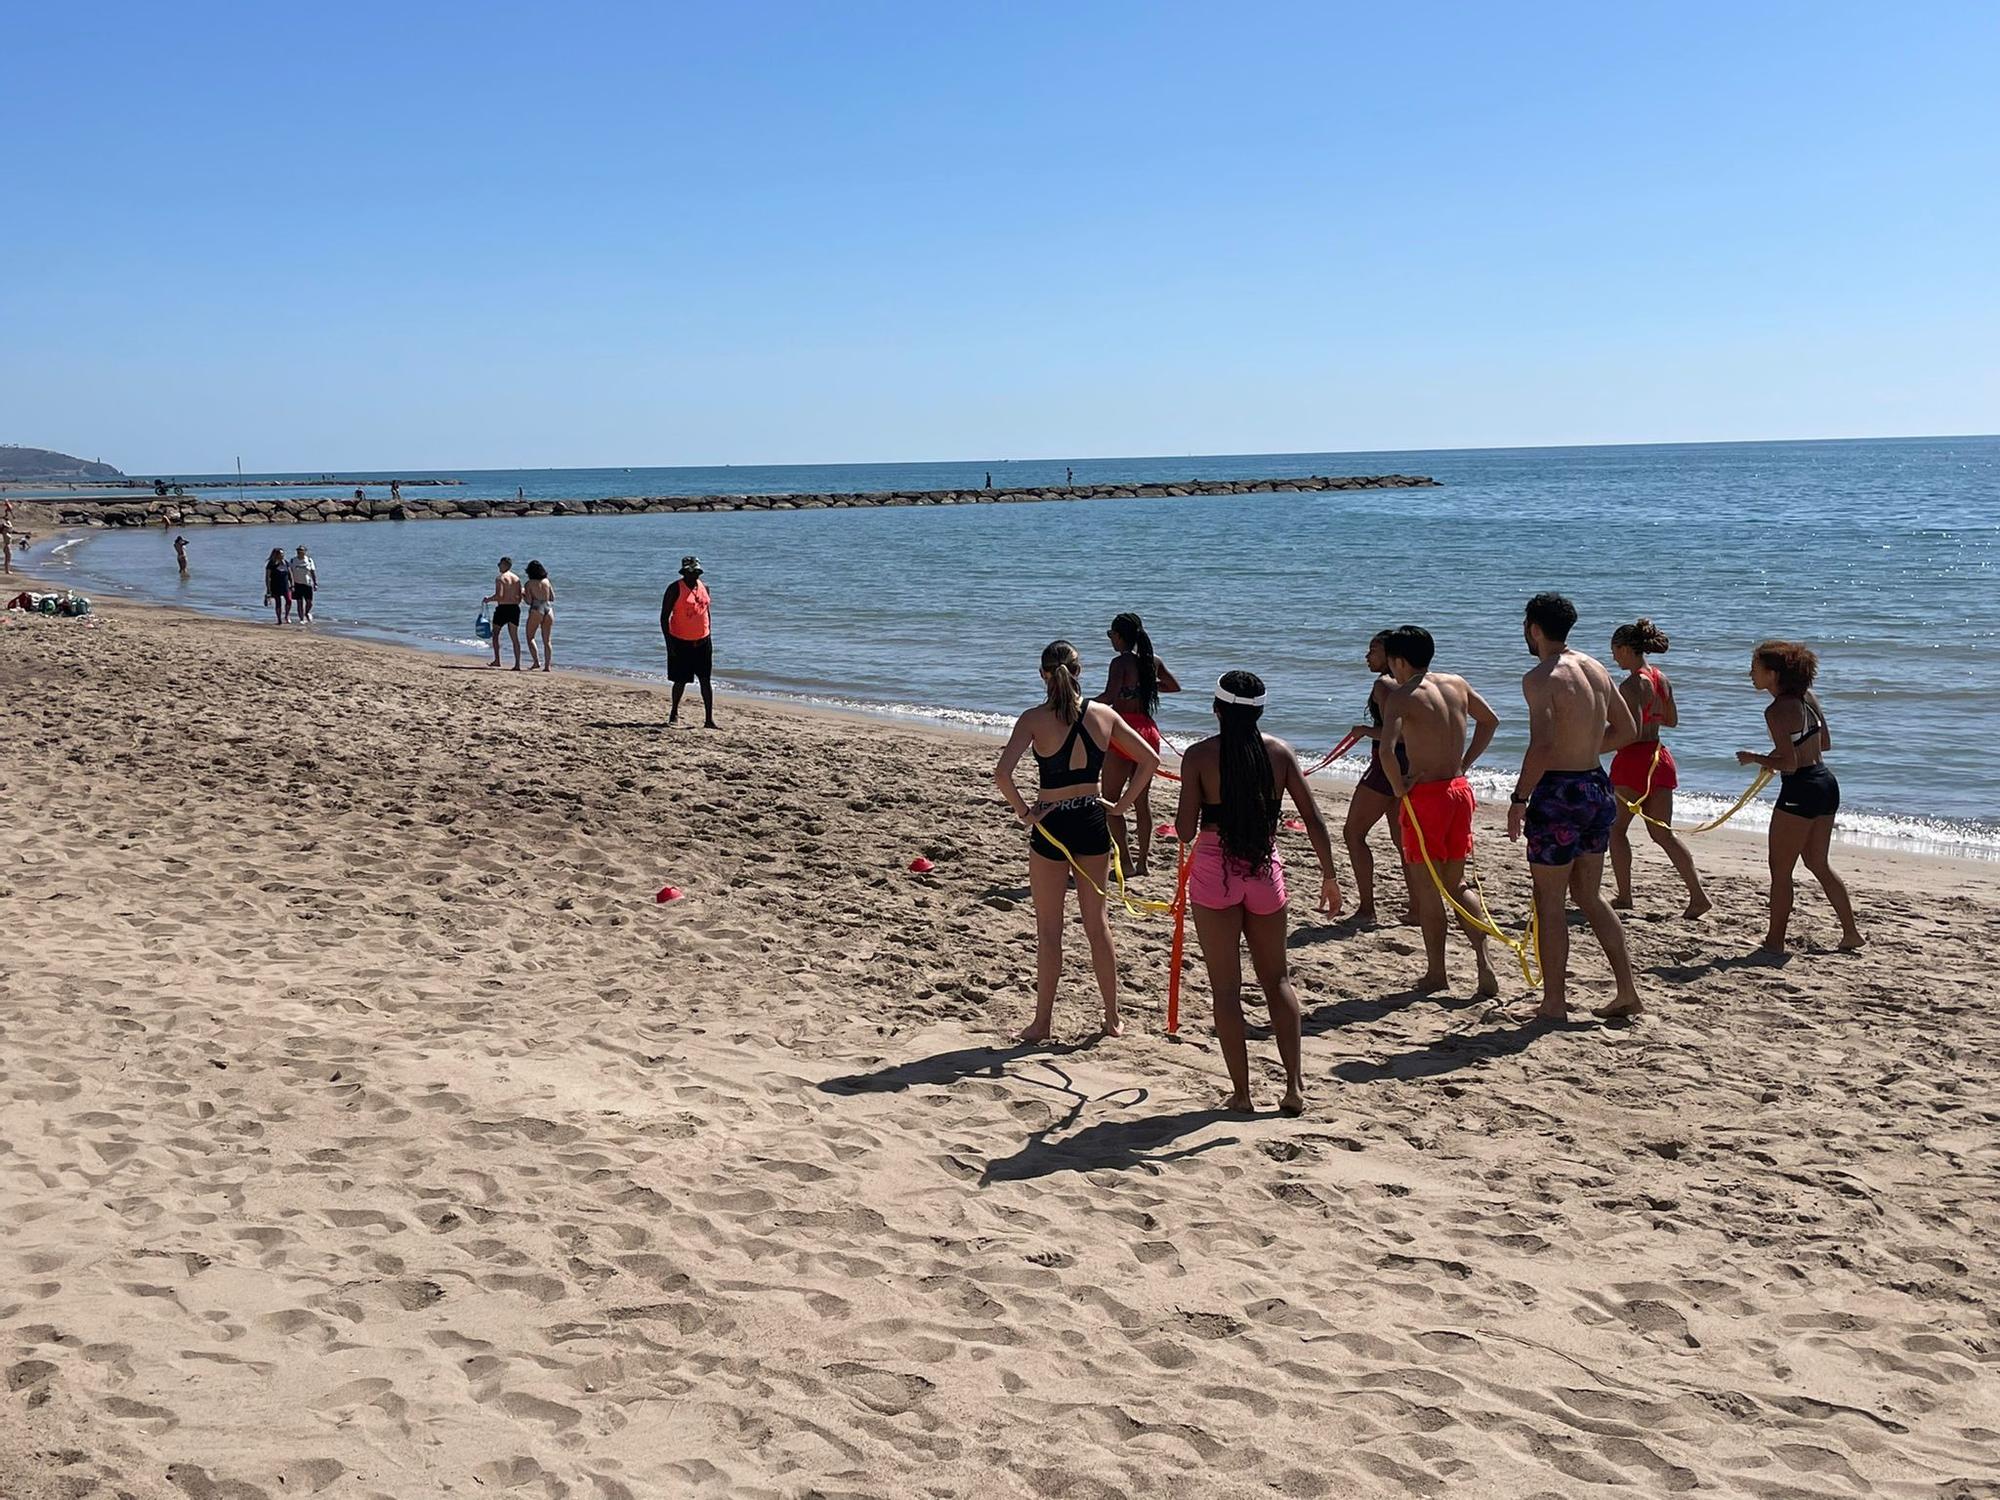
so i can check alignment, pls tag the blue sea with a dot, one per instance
(1883, 555)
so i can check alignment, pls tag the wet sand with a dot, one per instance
(370, 1131)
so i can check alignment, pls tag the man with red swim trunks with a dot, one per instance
(1426, 713)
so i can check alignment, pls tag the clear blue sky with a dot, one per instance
(441, 235)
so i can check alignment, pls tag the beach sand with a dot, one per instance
(370, 1131)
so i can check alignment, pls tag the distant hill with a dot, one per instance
(44, 463)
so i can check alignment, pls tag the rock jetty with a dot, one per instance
(181, 510)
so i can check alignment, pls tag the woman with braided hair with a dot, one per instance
(1233, 786)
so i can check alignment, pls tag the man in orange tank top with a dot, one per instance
(690, 651)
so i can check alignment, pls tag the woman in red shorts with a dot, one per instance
(1133, 689)
(1233, 785)
(1643, 772)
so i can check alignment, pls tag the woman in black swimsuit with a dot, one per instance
(1808, 794)
(1133, 687)
(1069, 737)
(1373, 800)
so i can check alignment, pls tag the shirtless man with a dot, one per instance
(1425, 715)
(506, 602)
(1563, 800)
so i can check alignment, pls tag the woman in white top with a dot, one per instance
(539, 594)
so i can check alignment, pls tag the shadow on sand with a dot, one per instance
(1457, 1050)
(951, 1067)
(1113, 1145)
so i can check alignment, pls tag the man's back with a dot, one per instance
(1430, 712)
(1569, 702)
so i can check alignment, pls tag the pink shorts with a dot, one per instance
(1219, 882)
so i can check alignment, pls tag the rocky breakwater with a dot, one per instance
(181, 511)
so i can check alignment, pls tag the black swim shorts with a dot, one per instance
(506, 614)
(1809, 792)
(1080, 823)
(687, 660)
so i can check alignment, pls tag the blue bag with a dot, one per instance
(483, 626)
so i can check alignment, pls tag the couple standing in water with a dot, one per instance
(1232, 789)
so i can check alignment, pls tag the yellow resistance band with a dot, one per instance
(1132, 903)
(1482, 921)
(1638, 809)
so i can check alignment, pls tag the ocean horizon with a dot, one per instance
(1880, 553)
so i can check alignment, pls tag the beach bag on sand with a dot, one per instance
(483, 626)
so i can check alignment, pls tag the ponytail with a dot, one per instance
(1132, 631)
(1248, 826)
(1062, 666)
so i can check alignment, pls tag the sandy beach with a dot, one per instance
(370, 1131)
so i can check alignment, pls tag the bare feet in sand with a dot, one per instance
(1033, 1032)
(1618, 1009)
(1111, 1024)
(1488, 987)
(1698, 906)
(1293, 1104)
(1430, 984)
(1853, 942)
(1237, 1104)
(1621, 903)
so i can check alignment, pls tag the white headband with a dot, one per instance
(1223, 695)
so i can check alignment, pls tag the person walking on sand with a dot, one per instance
(1424, 717)
(1644, 771)
(181, 554)
(506, 602)
(1563, 801)
(305, 584)
(1373, 800)
(540, 595)
(1808, 793)
(1132, 688)
(684, 610)
(1233, 786)
(1069, 738)
(278, 584)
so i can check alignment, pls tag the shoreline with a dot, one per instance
(944, 720)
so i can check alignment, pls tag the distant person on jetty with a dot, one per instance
(690, 648)
(396, 490)
(539, 593)
(1644, 771)
(1563, 801)
(1374, 799)
(278, 584)
(305, 584)
(1069, 478)
(181, 554)
(1233, 786)
(1424, 718)
(506, 602)
(1132, 688)
(1808, 794)
(1069, 737)
(989, 479)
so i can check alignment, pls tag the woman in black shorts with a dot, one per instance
(1069, 737)
(1373, 800)
(1808, 794)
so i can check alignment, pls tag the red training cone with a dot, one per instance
(1166, 831)
(921, 866)
(1295, 824)
(668, 893)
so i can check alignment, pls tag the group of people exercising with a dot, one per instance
(1097, 758)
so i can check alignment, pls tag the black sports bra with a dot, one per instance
(1058, 774)
(1815, 725)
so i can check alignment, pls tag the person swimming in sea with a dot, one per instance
(1132, 688)
(1233, 786)
(1426, 713)
(1069, 737)
(1808, 792)
(1373, 800)
(1644, 771)
(1563, 803)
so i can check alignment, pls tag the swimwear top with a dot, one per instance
(1058, 774)
(1374, 710)
(1122, 685)
(1815, 724)
(1651, 714)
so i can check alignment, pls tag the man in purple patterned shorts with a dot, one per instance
(1564, 803)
